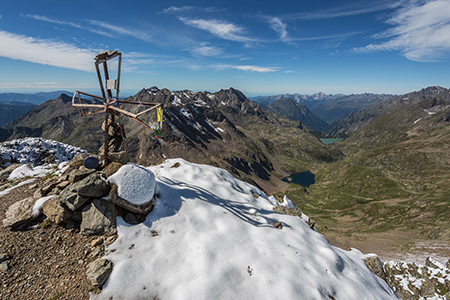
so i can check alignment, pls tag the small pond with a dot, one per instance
(329, 141)
(304, 179)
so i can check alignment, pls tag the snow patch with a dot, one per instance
(37, 208)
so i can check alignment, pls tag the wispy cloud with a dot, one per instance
(420, 32)
(249, 68)
(221, 29)
(209, 51)
(280, 27)
(351, 10)
(176, 9)
(138, 34)
(98, 27)
(45, 52)
(42, 85)
(51, 20)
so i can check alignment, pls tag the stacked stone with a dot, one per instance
(114, 137)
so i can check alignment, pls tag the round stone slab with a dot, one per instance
(90, 162)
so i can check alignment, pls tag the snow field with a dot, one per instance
(209, 238)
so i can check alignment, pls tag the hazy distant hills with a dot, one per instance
(223, 129)
(293, 110)
(359, 119)
(330, 108)
(11, 110)
(36, 99)
(14, 105)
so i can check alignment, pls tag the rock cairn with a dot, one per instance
(80, 198)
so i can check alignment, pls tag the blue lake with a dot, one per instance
(329, 141)
(304, 179)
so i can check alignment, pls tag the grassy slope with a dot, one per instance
(402, 186)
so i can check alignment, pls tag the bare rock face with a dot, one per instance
(99, 217)
(98, 271)
(19, 213)
(375, 266)
(56, 211)
(144, 208)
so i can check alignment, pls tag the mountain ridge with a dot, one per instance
(224, 129)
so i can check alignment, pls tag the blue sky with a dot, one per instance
(259, 47)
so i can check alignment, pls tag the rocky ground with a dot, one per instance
(47, 261)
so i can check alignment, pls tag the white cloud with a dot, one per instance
(51, 20)
(358, 8)
(42, 85)
(249, 68)
(206, 51)
(280, 27)
(139, 34)
(420, 31)
(177, 9)
(222, 29)
(45, 52)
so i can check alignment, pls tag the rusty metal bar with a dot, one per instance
(147, 110)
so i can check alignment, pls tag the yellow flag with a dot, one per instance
(158, 113)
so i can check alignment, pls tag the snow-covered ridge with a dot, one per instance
(212, 236)
(36, 151)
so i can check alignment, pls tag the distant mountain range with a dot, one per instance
(329, 108)
(14, 105)
(12, 110)
(357, 120)
(293, 110)
(36, 98)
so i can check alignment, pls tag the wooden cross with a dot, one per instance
(111, 105)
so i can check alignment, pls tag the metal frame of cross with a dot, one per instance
(111, 105)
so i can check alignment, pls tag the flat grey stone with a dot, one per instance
(98, 271)
(98, 218)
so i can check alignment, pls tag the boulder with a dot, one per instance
(111, 168)
(5, 159)
(19, 213)
(72, 200)
(121, 157)
(80, 174)
(99, 217)
(92, 186)
(56, 211)
(375, 266)
(77, 161)
(98, 271)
